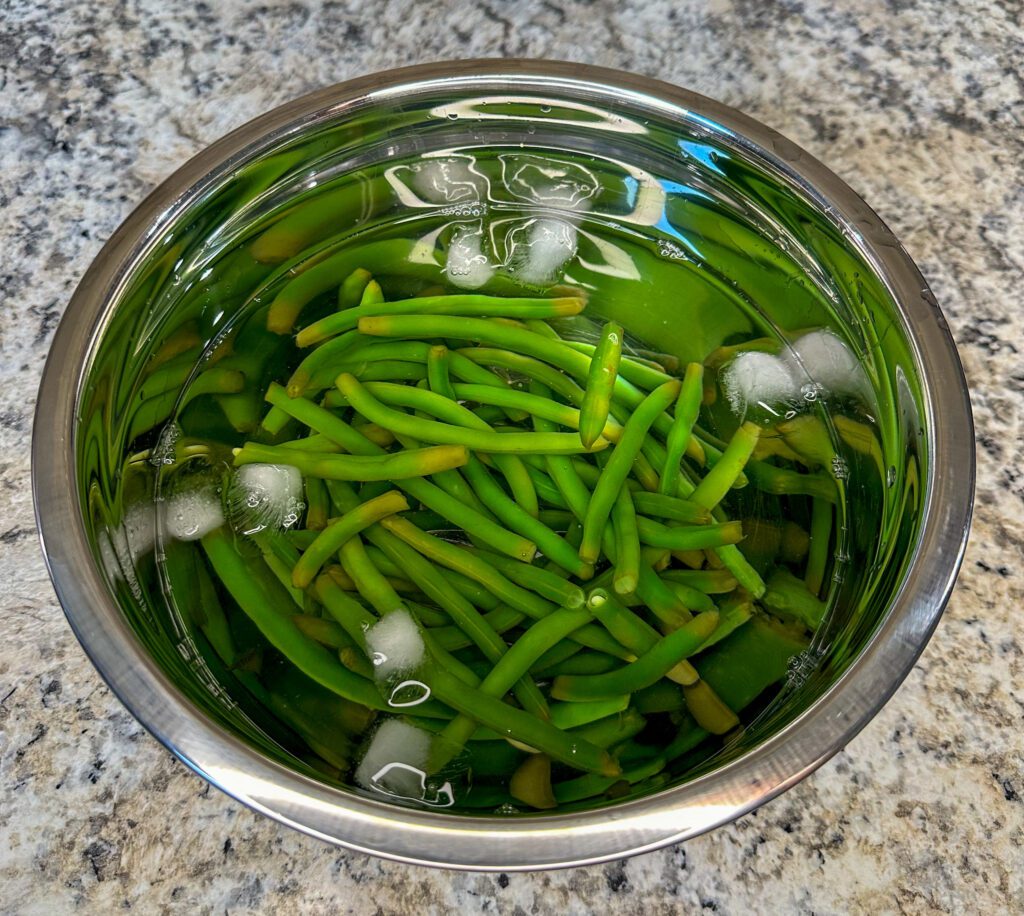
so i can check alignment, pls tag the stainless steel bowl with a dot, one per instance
(818, 720)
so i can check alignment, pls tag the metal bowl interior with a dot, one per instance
(125, 306)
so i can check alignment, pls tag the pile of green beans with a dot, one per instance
(548, 513)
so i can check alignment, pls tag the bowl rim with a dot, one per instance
(491, 843)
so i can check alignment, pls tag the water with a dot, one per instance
(686, 267)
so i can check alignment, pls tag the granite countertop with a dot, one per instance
(918, 105)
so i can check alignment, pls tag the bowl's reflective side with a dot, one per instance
(95, 584)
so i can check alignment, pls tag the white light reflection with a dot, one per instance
(485, 108)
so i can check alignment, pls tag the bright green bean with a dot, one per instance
(604, 369)
(646, 670)
(627, 543)
(394, 466)
(688, 537)
(519, 520)
(613, 477)
(431, 431)
(514, 664)
(340, 530)
(544, 583)
(522, 726)
(687, 408)
(720, 479)
(670, 507)
(461, 305)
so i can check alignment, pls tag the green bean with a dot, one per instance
(573, 715)
(709, 581)
(312, 443)
(438, 368)
(636, 369)
(646, 670)
(689, 537)
(349, 613)
(708, 709)
(692, 598)
(604, 368)
(323, 358)
(520, 521)
(786, 482)
(817, 555)
(263, 599)
(530, 783)
(515, 596)
(670, 507)
(459, 305)
(790, 598)
(381, 370)
(514, 664)
(535, 370)
(737, 564)
(326, 632)
(369, 582)
(501, 620)
(722, 476)
(627, 543)
(544, 583)
(613, 729)
(582, 662)
(157, 410)
(450, 411)
(613, 477)
(732, 614)
(352, 288)
(462, 613)
(432, 431)
(557, 654)
(533, 405)
(340, 530)
(633, 631)
(372, 295)
(316, 503)
(685, 415)
(387, 467)
(520, 725)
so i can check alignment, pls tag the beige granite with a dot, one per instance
(917, 104)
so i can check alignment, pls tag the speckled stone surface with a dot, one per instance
(918, 105)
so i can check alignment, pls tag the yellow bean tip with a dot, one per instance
(307, 337)
(625, 584)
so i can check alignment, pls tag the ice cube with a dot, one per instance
(468, 267)
(754, 378)
(192, 513)
(395, 644)
(395, 760)
(829, 363)
(262, 496)
(541, 256)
